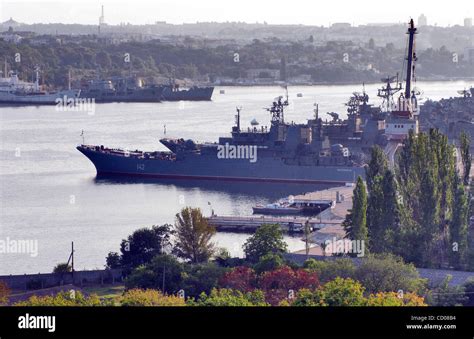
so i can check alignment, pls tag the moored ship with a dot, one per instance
(128, 89)
(285, 152)
(195, 93)
(13, 91)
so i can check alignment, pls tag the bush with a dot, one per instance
(4, 292)
(342, 292)
(149, 297)
(229, 297)
(64, 298)
(306, 297)
(386, 273)
(446, 295)
(394, 299)
(331, 269)
(469, 291)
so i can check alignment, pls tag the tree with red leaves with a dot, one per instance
(281, 283)
(240, 278)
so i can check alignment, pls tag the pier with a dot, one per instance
(251, 223)
(329, 219)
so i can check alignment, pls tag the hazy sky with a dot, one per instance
(307, 12)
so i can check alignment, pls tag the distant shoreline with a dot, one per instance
(336, 83)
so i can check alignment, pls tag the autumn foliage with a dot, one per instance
(395, 299)
(4, 292)
(278, 285)
(240, 278)
(149, 297)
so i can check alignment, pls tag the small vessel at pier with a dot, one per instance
(291, 206)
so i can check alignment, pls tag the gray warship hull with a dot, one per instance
(208, 167)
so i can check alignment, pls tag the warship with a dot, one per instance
(284, 152)
(128, 89)
(333, 152)
(118, 89)
(194, 93)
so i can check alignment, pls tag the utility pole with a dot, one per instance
(307, 234)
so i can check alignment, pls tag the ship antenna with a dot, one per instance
(237, 118)
(411, 57)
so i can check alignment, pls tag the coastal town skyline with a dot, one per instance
(275, 13)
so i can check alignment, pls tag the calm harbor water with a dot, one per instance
(49, 191)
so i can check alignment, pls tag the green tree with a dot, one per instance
(62, 268)
(269, 262)
(267, 239)
(113, 260)
(465, 156)
(375, 172)
(142, 245)
(377, 166)
(193, 236)
(386, 272)
(200, 278)
(163, 272)
(355, 223)
(459, 227)
(389, 237)
(425, 173)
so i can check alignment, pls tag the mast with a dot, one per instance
(237, 117)
(410, 58)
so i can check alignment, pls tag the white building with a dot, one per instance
(422, 20)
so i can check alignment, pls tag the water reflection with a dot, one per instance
(251, 189)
